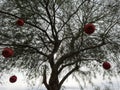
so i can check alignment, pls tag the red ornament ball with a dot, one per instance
(13, 79)
(7, 52)
(106, 65)
(89, 28)
(20, 22)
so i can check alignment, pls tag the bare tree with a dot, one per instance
(52, 43)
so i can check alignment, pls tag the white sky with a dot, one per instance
(20, 84)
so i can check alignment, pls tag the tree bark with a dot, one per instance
(54, 81)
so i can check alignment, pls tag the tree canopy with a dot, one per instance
(52, 42)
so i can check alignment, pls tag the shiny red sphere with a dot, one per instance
(20, 22)
(13, 79)
(106, 65)
(7, 52)
(89, 28)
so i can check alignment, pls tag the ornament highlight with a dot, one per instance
(89, 28)
(20, 22)
(106, 65)
(7, 52)
(13, 79)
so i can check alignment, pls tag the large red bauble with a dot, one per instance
(7, 52)
(13, 79)
(106, 65)
(89, 28)
(20, 22)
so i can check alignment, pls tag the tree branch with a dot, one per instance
(19, 45)
(71, 54)
(36, 11)
(72, 14)
(51, 22)
(67, 75)
(69, 64)
(28, 23)
(42, 39)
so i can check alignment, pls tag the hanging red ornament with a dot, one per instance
(20, 22)
(13, 79)
(106, 65)
(7, 52)
(89, 28)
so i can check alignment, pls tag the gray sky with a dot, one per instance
(70, 84)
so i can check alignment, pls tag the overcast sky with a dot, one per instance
(70, 84)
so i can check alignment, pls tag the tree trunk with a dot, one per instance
(54, 82)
